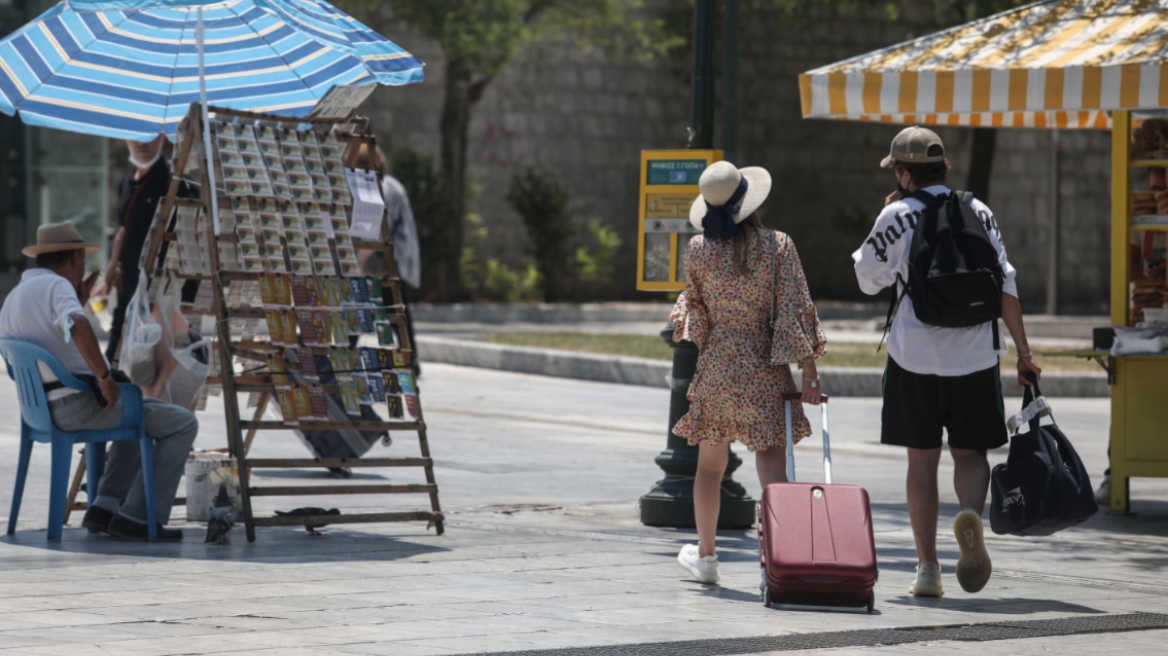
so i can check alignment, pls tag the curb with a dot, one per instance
(839, 381)
(569, 313)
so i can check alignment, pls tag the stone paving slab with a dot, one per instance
(543, 549)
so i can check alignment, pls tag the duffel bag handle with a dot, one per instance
(1034, 406)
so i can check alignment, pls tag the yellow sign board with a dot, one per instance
(669, 186)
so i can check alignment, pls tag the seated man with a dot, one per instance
(47, 309)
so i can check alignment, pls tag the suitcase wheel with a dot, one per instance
(766, 597)
(871, 601)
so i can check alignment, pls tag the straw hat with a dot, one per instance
(55, 237)
(719, 183)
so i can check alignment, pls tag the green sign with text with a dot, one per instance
(675, 171)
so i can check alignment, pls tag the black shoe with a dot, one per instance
(123, 527)
(97, 519)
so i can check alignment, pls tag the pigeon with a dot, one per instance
(307, 512)
(222, 518)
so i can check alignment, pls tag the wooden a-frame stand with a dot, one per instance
(229, 348)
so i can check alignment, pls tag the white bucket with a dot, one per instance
(205, 470)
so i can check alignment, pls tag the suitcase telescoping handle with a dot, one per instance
(795, 396)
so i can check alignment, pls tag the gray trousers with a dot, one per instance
(173, 429)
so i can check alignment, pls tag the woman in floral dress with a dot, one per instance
(742, 280)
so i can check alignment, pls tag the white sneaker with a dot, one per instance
(973, 567)
(1103, 494)
(703, 568)
(928, 583)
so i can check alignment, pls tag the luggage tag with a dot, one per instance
(1037, 409)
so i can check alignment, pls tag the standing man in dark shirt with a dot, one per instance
(139, 195)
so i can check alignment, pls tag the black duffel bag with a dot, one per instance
(1042, 488)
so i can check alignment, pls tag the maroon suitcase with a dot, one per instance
(815, 540)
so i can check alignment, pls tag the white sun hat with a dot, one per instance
(719, 183)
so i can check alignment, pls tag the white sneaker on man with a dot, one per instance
(928, 582)
(1103, 494)
(973, 567)
(703, 568)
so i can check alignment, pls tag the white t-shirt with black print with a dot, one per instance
(917, 347)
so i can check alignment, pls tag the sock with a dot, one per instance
(107, 503)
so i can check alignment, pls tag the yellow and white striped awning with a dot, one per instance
(1058, 63)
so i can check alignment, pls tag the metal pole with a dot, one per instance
(670, 502)
(206, 124)
(730, 81)
(1052, 264)
(701, 97)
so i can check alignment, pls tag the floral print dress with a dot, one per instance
(736, 393)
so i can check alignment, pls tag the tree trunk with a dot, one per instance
(460, 92)
(981, 161)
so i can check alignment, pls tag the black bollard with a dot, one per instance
(670, 502)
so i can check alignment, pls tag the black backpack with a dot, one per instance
(954, 277)
(1042, 487)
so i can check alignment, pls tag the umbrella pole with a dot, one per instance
(206, 124)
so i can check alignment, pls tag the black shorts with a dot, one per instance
(918, 406)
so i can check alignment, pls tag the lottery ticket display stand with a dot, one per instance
(291, 220)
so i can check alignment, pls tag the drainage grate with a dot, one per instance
(868, 638)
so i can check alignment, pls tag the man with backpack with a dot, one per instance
(942, 253)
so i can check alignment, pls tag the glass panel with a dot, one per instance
(682, 241)
(657, 256)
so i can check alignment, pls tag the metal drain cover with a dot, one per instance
(867, 638)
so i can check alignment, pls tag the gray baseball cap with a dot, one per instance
(911, 146)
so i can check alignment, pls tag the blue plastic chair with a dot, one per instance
(37, 426)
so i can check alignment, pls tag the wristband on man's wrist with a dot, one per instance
(108, 375)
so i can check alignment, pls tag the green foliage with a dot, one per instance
(510, 286)
(596, 267)
(488, 279)
(945, 12)
(489, 34)
(539, 197)
(474, 243)
(430, 198)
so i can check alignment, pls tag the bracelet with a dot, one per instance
(108, 374)
(1026, 355)
(811, 379)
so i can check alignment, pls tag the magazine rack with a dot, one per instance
(235, 200)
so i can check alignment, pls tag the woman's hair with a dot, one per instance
(362, 156)
(749, 230)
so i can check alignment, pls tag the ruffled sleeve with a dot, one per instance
(798, 333)
(690, 318)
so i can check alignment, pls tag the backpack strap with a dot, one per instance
(900, 287)
(893, 304)
(966, 198)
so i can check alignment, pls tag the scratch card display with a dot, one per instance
(394, 407)
(287, 401)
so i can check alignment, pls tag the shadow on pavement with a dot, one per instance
(272, 545)
(1017, 606)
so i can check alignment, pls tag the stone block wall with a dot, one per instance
(588, 117)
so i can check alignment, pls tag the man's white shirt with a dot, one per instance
(42, 310)
(917, 347)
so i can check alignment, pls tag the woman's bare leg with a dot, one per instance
(771, 465)
(708, 493)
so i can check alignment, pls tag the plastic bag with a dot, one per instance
(184, 372)
(141, 334)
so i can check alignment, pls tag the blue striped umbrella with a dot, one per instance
(119, 69)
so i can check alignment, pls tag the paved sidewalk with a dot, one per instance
(543, 550)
